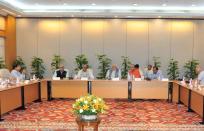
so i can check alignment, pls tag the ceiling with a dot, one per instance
(104, 8)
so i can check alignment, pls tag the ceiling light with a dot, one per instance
(163, 4)
(115, 16)
(93, 4)
(159, 16)
(134, 4)
(193, 5)
(65, 4)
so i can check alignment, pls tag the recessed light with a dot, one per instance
(134, 4)
(93, 4)
(163, 4)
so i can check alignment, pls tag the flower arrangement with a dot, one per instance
(89, 105)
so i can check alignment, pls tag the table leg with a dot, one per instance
(179, 95)
(96, 128)
(189, 101)
(1, 119)
(89, 87)
(203, 113)
(129, 90)
(49, 90)
(39, 92)
(22, 98)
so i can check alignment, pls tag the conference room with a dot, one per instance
(101, 65)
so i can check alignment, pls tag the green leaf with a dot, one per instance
(104, 65)
(37, 67)
(125, 66)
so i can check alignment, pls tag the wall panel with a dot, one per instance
(70, 42)
(2, 50)
(198, 41)
(92, 41)
(182, 41)
(48, 41)
(159, 42)
(27, 37)
(138, 41)
(115, 39)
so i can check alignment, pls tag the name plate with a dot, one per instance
(26, 81)
(138, 79)
(165, 79)
(115, 79)
(84, 79)
(56, 78)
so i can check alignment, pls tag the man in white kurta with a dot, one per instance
(85, 72)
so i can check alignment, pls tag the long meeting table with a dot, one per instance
(107, 89)
(18, 95)
(193, 98)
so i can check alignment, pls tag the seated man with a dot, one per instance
(85, 72)
(148, 73)
(16, 72)
(114, 72)
(157, 74)
(135, 72)
(25, 75)
(61, 72)
(5, 74)
(200, 75)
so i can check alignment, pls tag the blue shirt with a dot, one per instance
(157, 75)
(201, 77)
(16, 74)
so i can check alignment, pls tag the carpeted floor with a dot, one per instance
(122, 115)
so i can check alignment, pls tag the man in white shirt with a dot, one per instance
(85, 72)
(200, 75)
(16, 72)
(61, 72)
(148, 72)
(114, 72)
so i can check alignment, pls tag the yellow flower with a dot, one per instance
(85, 107)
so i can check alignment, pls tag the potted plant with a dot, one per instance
(125, 66)
(37, 67)
(173, 70)
(56, 61)
(2, 63)
(156, 61)
(190, 69)
(80, 60)
(19, 61)
(104, 65)
(88, 107)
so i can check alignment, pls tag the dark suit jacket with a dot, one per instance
(61, 74)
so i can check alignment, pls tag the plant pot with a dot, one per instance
(88, 117)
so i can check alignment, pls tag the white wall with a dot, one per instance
(140, 39)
